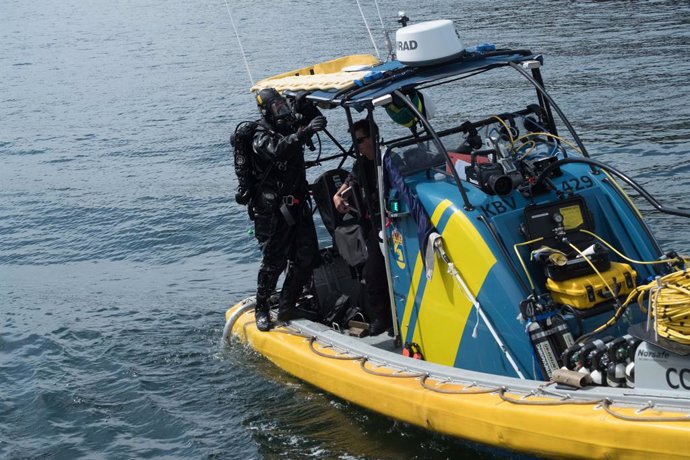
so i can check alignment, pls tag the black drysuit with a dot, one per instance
(282, 216)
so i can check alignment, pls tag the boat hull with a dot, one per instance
(360, 375)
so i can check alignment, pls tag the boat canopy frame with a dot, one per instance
(393, 80)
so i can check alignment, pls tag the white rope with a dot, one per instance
(244, 57)
(452, 271)
(389, 46)
(368, 29)
(379, 13)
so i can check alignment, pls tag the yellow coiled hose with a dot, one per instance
(668, 305)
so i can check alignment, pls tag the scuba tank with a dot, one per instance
(546, 354)
(630, 375)
(607, 361)
(632, 344)
(599, 365)
(615, 374)
(557, 328)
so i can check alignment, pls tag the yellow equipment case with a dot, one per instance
(587, 291)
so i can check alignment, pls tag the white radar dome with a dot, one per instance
(427, 43)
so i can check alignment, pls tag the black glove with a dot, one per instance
(317, 124)
(305, 108)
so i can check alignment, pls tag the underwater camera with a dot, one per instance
(498, 178)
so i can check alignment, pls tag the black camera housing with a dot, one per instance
(492, 178)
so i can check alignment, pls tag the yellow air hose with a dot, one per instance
(528, 135)
(622, 256)
(522, 262)
(506, 127)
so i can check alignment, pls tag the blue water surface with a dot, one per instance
(121, 246)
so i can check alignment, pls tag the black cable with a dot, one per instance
(439, 145)
(544, 174)
(542, 91)
(504, 251)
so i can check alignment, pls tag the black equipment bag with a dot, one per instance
(351, 243)
(323, 189)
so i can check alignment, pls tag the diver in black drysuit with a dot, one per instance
(282, 215)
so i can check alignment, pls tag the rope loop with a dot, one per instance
(423, 377)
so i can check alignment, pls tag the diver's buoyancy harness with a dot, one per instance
(249, 178)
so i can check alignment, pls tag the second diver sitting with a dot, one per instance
(364, 173)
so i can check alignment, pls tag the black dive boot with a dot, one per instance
(292, 288)
(379, 319)
(263, 319)
(287, 309)
(268, 276)
(378, 326)
(285, 313)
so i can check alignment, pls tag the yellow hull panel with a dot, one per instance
(562, 431)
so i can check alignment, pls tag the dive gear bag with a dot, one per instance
(333, 278)
(351, 243)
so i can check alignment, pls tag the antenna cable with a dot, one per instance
(244, 57)
(389, 47)
(368, 29)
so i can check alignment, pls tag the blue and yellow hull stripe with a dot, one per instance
(439, 329)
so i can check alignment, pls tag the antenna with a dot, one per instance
(403, 19)
(368, 29)
(389, 47)
(244, 57)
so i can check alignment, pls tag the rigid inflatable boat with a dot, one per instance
(533, 308)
